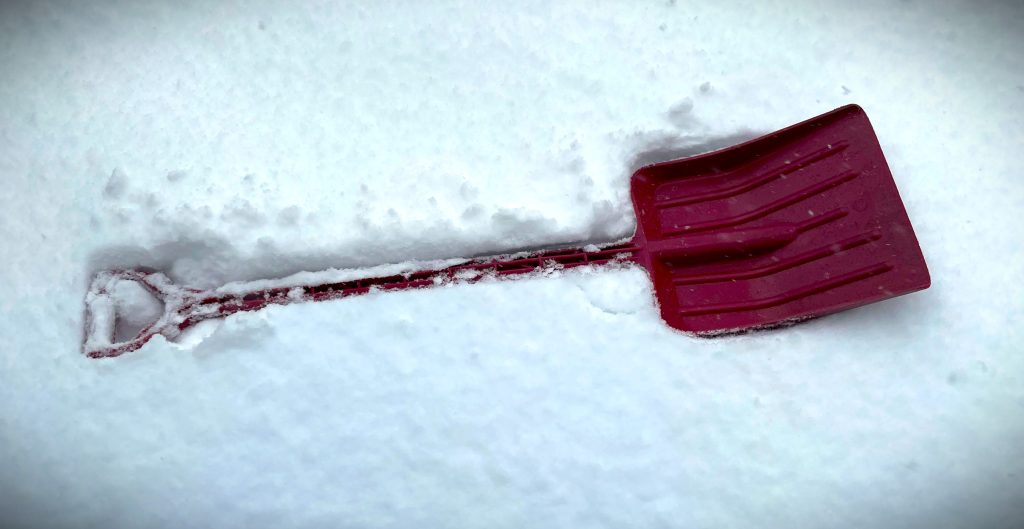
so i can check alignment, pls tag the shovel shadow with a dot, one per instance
(664, 147)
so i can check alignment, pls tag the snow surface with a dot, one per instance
(135, 308)
(231, 141)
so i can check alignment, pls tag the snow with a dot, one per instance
(135, 307)
(227, 142)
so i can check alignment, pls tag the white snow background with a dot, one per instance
(224, 141)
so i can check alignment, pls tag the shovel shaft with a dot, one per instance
(476, 270)
(185, 307)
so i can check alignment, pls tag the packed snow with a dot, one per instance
(136, 306)
(223, 142)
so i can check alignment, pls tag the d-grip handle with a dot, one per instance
(101, 311)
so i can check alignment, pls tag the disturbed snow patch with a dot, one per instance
(204, 230)
(240, 332)
(135, 308)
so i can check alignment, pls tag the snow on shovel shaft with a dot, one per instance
(184, 307)
(796, 224)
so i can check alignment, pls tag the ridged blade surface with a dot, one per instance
(815, 214)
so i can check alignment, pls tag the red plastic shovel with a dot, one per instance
(800, 223)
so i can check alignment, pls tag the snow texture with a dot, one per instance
(234, 141)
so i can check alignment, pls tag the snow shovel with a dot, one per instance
(794, 225)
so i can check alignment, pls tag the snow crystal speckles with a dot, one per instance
(116, 184)
(624, 291)
(238, 333)
(472, 212)
(468, 191)
(175, 176)
(516, 225)
(611, 220)
(570, 157)
(289, 216)
(135, 308)
(243, 212)
(681, 114)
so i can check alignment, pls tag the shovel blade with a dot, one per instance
(796, 224)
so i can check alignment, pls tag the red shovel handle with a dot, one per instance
(184, 307)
